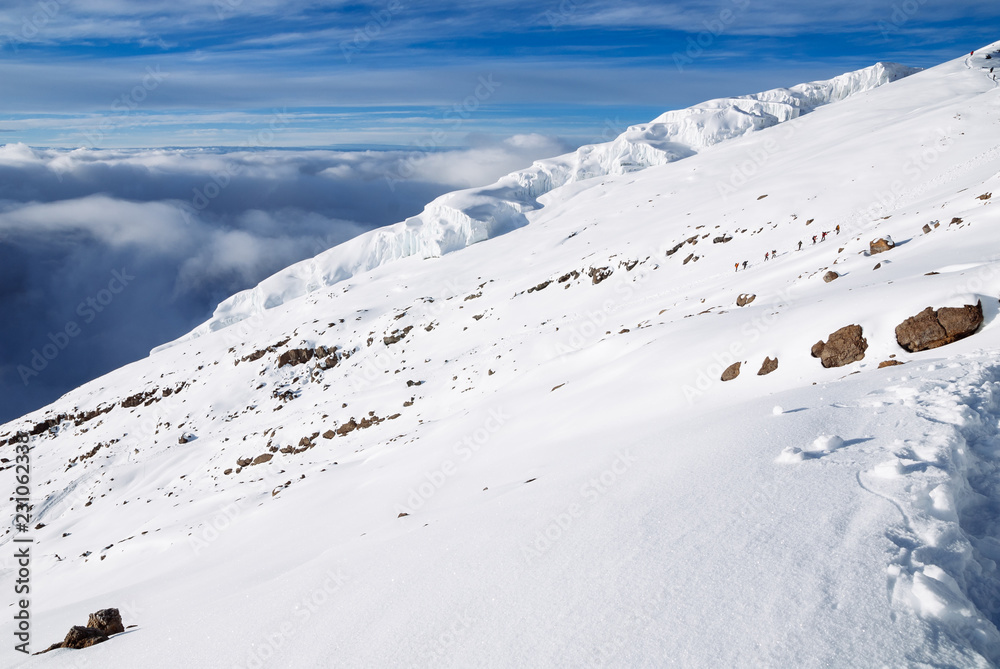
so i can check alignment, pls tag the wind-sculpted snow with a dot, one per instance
(459, 219)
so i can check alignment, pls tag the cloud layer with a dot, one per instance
(106, 254)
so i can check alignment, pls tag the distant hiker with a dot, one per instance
(744, 264)
(774, 254)
(737, 267)
(800, 245)
(814, 239)
(766, 256)
(838, 229)
(823, 238)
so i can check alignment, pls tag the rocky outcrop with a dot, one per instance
(830, 276)
(843, 347)
(100, 626)
(731, 372)
(599, 274)
(881, 245)
(108, 621)
(931, 329)
(889, 363)
(542, 286)
(744, 299)
(295, 356)
(396, 336)
(83, 637)
(770, 364)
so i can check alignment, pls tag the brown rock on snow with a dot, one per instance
(830, 276)
(295, 356)
(731, 372)
(920, 332)
(770, 364)
(843, 347)
(931, 329)
(889, 363)
(962, 321)
(83, 637)
(881, 245)
(108, 621)
(101, 625)
(744, 299)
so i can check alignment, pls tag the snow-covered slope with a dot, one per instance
(458, 219)
(522, 453)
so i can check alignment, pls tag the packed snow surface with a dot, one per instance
(521, 452)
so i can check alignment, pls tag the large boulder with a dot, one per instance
(881, 245)
(920, 332)
(731, 372)
(931, 329)
(830, 276)
(108, 621)
(843, 347)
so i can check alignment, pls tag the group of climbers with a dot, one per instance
(768, 255)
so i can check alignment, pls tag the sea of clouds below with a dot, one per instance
(105, 254)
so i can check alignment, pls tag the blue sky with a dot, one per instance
(123, 73)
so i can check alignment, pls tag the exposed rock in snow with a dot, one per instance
(881, 245)
(843, 347)
(769, 365)
(931, 329)
(731, 372)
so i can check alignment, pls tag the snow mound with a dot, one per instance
(820, 446)
(462, 218)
